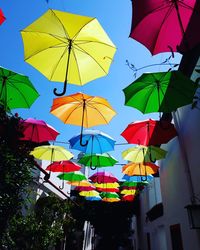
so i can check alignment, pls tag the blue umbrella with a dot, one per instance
(137, 178)
(98, 142)
(93, 198)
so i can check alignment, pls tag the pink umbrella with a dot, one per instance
(37, 131)
(103, 177)
(90, 188)
(63, 166)
(163, 26)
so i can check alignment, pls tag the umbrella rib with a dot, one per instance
(56, 65)
(74, 37)
(90, 41)
(78, 106)
(147, 100)
(187, 6)
(99, 113)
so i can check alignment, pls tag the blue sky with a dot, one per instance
(115, 18)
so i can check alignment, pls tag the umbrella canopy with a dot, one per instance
(51, 153)
(83, 183)
(100, 189)
(72, 176)
(82, 110)
(160, 92)
(163, 25)
(149, 132)
(66, 47)
(128, 197)
(90, 188)
(63, 166)
(133, 184)
(110, 199)
(89, 193)
(16, 90)
(142, 169)
(37, 131)
(144, 154)
(129, 192)
(106, 185)
(109, 195)
(137, 178)
(2, 18)
(98, 142)
(93, 198)
(98, 160)
(103, 177)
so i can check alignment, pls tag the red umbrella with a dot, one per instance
(103, 177)
(163, 25)
(149, 132)
(63, 166)
(128, 197)
(90, 188)
(116, 190)
(37, 131)
(2, 18)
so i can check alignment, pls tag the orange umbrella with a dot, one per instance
(111, 199)
(142, 169)
(82, 110)
(83, 183)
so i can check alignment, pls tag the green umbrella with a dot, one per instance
(144, 154)
(98, 160)
(109, 195)
(160, 92)
(16, 90)
(72, 176)
(133, 184)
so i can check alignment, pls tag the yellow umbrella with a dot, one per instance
(142, 169)
(83, 183)
(51, 153)
(107, 185)
(83, 110)
(89, 193)
(144, 154)
(129, 192)
(68, 48)
(111, 199)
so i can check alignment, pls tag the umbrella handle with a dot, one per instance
(93, 167)
(144, 179)
(63, 184)
(63, 92)
(47, 176)
(81, 141)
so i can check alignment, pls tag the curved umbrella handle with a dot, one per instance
(93, 167)
(81, 135)
(63, 92)
(144, 179)
(81, 141)
(150, 157)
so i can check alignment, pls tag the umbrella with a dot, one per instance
(37, 131)
(129, 192)
(98, 160)
(83, 110)
(97, 142)
(105, 189)
(142, 169)
(106, 185)
(89, 193)
(149, 132)
(63, 166)
(163, 25)
(111, 199)
(128, 197)
(16, 90)
(2, 18)
(93, 198)
(66, 47)
(83, 183)
(133, 184)
(160, 92)
(137, 178)
(72, 176)
(51, 153)
(144, 154)
(103, 177)
(109, 195)
(90, 188)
